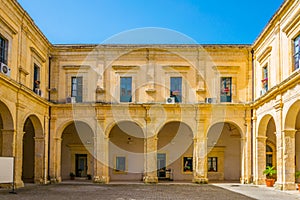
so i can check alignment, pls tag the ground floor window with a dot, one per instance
(187, 164)
(269, 156)
(120, 165)
(212, 164)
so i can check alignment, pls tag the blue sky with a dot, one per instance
(200, 21)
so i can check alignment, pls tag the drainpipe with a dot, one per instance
(252, 87)
(49, 113)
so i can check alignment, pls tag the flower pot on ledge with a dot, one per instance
(270, 182)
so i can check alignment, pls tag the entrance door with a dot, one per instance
(161, 165)
(81, 165)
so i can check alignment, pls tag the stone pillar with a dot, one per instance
(244, 161)
(150, 172)
(254, 148)
(288, 162)
(18, 159)
(200, 174)
(39, 159)
(102, 159)
(150, 150)
(260, 160)
(53, 154)
(57, 144)
(200, 154)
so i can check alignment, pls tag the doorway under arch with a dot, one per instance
(224, 152)
(175, 154)
(126, 152)
(77, 149)
(33, 163)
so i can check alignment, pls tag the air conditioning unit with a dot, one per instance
(71, 100)
(170, 100)
(4, 69)
(210, 100)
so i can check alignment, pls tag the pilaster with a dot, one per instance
(260, 160)
(200, 155)
(150, 174)
(288, 162)
(101, 174)
(39, 160)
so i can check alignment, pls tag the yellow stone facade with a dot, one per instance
(62, 112)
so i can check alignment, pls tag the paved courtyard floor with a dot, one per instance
(130, 191)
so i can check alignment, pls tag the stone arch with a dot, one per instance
(266, 135)
(263, 123)
(64, 124)
(126, 151)
(224, 148)
(7, 119)
(233, 123)
(291, 116)
(33, 152)
(110, 126)
(76, 147)
(175, 150)
(292, 129)
(6, 130)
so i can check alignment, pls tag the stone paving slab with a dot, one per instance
(260, 192)
(82, 191)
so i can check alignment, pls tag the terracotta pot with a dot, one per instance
(270, 182)
(299, 187)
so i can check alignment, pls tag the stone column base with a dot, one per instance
(245, 180)
(260, 181)
(150, 179)
(285, 186)
(19, 184)
(200, 180)
(101, 179)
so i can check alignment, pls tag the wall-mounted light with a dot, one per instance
(129, 141)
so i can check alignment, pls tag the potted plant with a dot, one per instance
(297, 175)
(72, 176)
(270, 172)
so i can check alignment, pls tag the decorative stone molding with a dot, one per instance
(266, 53)
(42, 58)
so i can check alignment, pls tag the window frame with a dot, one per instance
(265, 78)
(296, 54)
(117, 167)
(78, 89)
(211, 161)
(176, 90)
(187, 164)
(131, 87)
(224, 97)
(3, 50)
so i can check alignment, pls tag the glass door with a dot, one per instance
(161, 165)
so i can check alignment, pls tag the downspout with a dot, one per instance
(49, 113)
(252, 99)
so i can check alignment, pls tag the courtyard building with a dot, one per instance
(155, 112)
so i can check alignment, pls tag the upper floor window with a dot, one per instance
(265, 78)
(36, 79)
(3, 50)
(76, 90)
(176, 88)
(297, 52)
(226, 89)
(126, 89)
